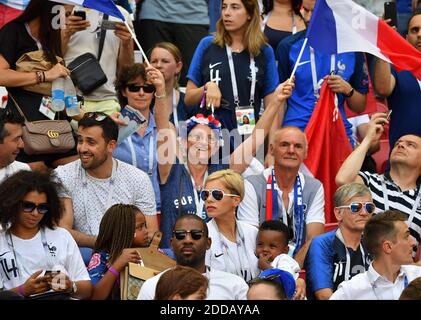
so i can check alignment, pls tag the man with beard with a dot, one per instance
(189, 241)
(97, 181)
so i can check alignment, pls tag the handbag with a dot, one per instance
(86, 71)
(46, 136)
(35, 61)
(134, 275)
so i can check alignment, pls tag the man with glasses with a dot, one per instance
(97, 181)
(10, 143)
(189, 242)
(397, 189)
(387, 239)
(339, 255)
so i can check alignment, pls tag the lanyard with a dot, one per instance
(234, 79)
(174, 110)
(386, 201)
(316, 83)
(84, 175)
(348, 256)
(266, 19)
(241, 245)
(48, 257)
(150, 156)
(198, 201)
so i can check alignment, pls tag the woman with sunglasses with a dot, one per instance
(183, 168)
(134, 90)
(235, 65)
(340, 254)
(280, 19)
(233, 241)
(31, 244)
(166, 57)
(32, 31)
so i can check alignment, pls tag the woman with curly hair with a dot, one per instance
(31, 243)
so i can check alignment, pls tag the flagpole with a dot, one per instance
(298, 60)
(137, 42)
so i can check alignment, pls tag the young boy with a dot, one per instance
(272, 252)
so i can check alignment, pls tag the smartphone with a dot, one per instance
(81, 14)
(51, 273)
(108, 24)
(390, 13)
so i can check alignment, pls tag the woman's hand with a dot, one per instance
(56, 72)
(155, 77)
(338, 85)
(284, 90)
(213, 95)
(128, 255)
(300, 289)
(75, 24)
(35, 284)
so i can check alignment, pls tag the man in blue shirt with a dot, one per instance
(346, 74)
(402, 89)
(339, 255)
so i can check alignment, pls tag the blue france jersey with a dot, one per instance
(350, 66)
(210, 63)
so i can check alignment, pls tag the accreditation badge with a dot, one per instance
(245, 120)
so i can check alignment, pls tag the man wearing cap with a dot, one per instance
(339, 255)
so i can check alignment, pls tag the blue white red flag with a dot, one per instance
(105, 6)
(339, 26)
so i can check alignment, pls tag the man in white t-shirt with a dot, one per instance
(10, 144)
(189, 242)
(97, 181)
(299, 197)
(387, 239)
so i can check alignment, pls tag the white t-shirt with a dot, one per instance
(236, 258)
(12, 168)
(370, 285)
(286, 263)
(129, 185)
(248, 210)
(63, 254)
(222, 286)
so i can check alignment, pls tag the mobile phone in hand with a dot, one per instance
(390, 13)
(108, 24)
(81, 14)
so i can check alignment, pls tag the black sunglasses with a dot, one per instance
(28, 206)
(147, 88)
(216, 194)
(98, 116)
(356, 207)
(181, 234)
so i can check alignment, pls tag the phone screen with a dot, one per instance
(81, 14)
(390, 13)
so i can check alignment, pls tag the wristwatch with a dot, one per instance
(350, 93)
(74, 287)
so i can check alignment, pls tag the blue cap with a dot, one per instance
(285, 278)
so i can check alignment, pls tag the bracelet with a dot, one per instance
(39, 77)
(162, 96)
(114, 272)
(21, 290)
(43, 76)
(350, 93)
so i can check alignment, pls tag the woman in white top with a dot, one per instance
(233, 242)
(31, 244)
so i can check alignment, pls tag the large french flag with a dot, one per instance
(105, 6)
(338, 26)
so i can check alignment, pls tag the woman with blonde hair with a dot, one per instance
(234, 69)
(233, 241)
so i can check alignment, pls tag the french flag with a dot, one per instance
(105, 6)
(338, 26)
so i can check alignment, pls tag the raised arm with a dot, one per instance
(242, 156)
(349, 170)
(384, 82)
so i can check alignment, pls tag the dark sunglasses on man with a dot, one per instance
(147, 88)
(182, 234)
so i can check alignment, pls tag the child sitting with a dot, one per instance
(272, 252)
(122, 228)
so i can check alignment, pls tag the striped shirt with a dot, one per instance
(398, 200)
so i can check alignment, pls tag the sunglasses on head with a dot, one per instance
(182, 234)
(356, 207)
(97, 116)
(28, 206)
(216, 194)
(147, 88)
